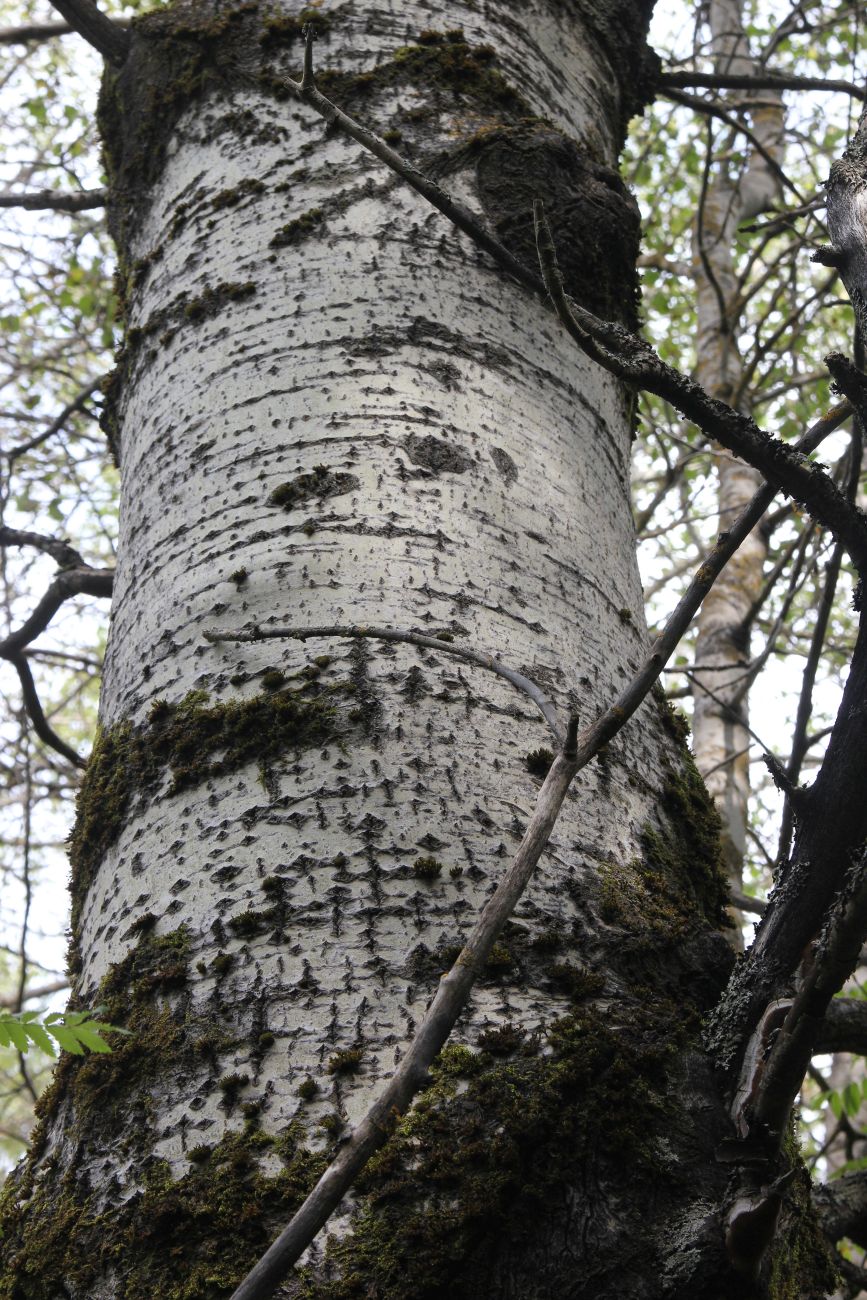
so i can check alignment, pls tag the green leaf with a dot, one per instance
(852, 1098)
(67, 1039)
(16, 1034)
(41, 1039)
(89, 1037)
(37, 109)
(74, 1031)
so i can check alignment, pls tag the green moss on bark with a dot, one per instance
(192, 1238)
(189, 743)
(452, 70)
(490, 1150)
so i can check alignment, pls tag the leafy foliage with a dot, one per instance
(71, 1031)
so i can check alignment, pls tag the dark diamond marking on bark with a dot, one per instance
(437, 455)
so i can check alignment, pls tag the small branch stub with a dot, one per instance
(308, 79)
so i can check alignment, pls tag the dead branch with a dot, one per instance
(98, 30)
(442, 645)
(37, 200)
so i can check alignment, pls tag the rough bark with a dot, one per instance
(328, 407)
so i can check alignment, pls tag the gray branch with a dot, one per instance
(844, 1028)
(37, 200)
(28, 33)
(478, 657)
(762, 81)
(842, 1207)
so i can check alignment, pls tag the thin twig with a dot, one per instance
(412, 1074)
(77, 404)
(14, 1001)
(781, 465)
(28, 32)
(68, 583)
(830, 963)
(746, 903)
(712, 109)
(64, 555)
(34, 712)
(478, 657)
(80, 580)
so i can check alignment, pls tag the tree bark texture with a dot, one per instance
(329, 408)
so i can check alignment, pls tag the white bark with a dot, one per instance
(489, 469)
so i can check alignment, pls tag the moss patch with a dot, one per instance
(289, 28)
(593, 217)
(452, 70)
(190, 1239)
(99, 1085)
(301, 228)
(191, 741)
(176, 55)
(801, 1258)
(491, 1149)
(670, 903)
(187, 1239)
(235, 194)
(212, 300)
(538, 762)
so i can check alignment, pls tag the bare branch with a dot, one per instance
(842, 1207)
(77, 404)
(831, 960)
(97, 29)
(13, 1002)
(65, 556)
(635, 361)
(75, 578)
(844, 1028)
(56, 201)
(764, 81)
(31, 32)
(456, 986)
(746, 903)
(36, 715)
(69, 582)
(710, 107)
(440, 644)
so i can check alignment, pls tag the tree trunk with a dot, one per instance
(329, 410)
(720, 684)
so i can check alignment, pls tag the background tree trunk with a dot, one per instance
(720, 684)
(330, 409)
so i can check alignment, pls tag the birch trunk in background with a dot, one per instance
(331, 409)
(721, 739)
